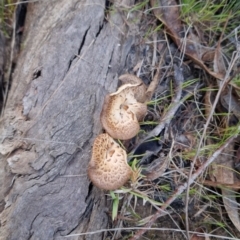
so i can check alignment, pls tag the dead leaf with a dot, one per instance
(156, 169)
(208, 100)
(138, 66)
(237, 160)
(153, 85)
(231, 206)
(235, 186)
(218, 63)
(208, 56)
(231, 103)
(185, 142)
(223, 173)
(167, 11)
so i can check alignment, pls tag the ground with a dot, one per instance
(186, 155)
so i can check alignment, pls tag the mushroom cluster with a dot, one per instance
(122, 110)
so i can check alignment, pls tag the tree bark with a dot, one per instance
(70, 58)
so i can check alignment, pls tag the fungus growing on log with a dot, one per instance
(108, 168)
(121, 112)
(140, 91)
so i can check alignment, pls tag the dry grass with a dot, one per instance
(190, 123)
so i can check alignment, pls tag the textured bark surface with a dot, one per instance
(71, 56)
(2, 66)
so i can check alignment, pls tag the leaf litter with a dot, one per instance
(186, 156)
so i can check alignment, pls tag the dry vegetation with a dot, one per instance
(186, 157)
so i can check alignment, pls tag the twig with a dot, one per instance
(154, 59)
(9, 72)
(153, 229)
(183, 187)
(235, 186)
(18, 3)
(221, 88)
(178, 77)
(154, 83)
(166, 119)
(119, 224)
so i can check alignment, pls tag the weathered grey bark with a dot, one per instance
(70, 58)
(2, 66)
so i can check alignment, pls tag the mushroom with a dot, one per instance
(121, 112)
(108, 168)
(140, 91)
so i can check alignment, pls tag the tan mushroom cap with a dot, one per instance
(140, 91)
(121, 113)
(128, 91)
(108, 168)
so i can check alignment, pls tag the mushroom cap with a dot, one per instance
(140, 90)
(128, 91)
(108, 168)
(121, 112)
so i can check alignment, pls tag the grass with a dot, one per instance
(134, 203)
(210, 16)
(138, 7)
(209, 20)
(6, 15)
